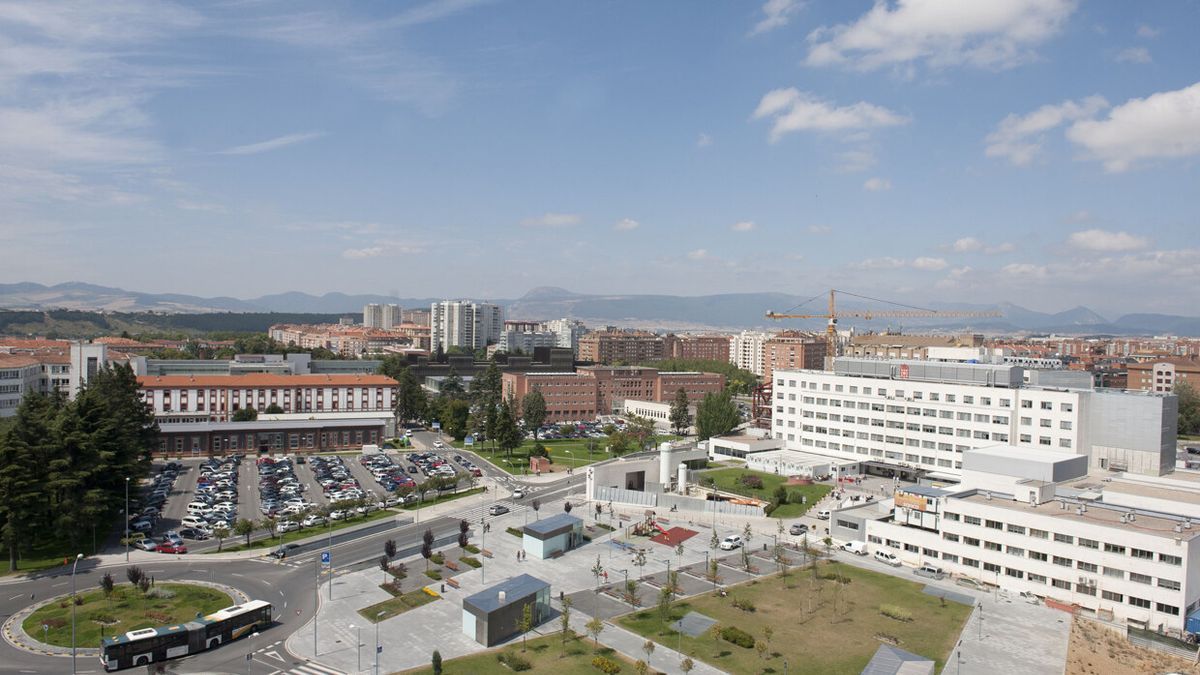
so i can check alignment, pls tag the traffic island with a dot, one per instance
(45, 627)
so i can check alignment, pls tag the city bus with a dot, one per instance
(150, 645)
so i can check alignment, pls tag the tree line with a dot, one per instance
(63, 463)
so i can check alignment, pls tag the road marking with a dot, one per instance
(57, 585)
(237, 574)
(19, 595)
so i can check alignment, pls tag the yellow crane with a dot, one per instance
(833, 315)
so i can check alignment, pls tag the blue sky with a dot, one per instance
(1042, 152)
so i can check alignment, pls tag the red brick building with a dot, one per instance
(624, 346)
(792, 350)
(601, 390)
(1163, 374)
(214, 398)
(703, 347)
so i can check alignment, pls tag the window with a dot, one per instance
(1141, 553)
(1040, 534)
(1109, 595)
(1065, 425)
(1067, 407)
(1016, 529)
(1064, 538)
(950, 557)
(1088, 543)
(970, 562)
(995, 524)
(1014, 573)
(1026, 404)
(1085, 589)
(989, 567)
(1114, 572)
(1141, 578)
(1059, 583)
(1114, 548)
(949, 537)
(1170, 559)
(991, 546)
(1065, 562)
(970, 541)
(1038, 555)
(1087, 566)
(971, 520)
(1047, 405)
(1139, 602)
(1166, 609)
(1013, 550)
(951, 516)
(1036, 578)
(1168, 584)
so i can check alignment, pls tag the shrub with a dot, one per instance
(160, 593)
(895, 612)
(471, 548)
(606, 665)
(434, 574)
(514, 661)
(516, 532)
(738, 637)
(437, 559)
(752, 482)
(744, 605)
(473, 562)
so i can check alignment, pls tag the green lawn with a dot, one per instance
(570, 452)
(820, 625)
(729, 480)
(397, 605)
(545, 654)
(127, 609)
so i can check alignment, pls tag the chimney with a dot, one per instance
(502, 596)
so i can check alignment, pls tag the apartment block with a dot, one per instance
(461, 323)
(701, 347)
(921, 416)
(746, 350)
(611, 345)
(791, 350)
(897, 346)
(1163, 374)
(214, 398)
(602, 390)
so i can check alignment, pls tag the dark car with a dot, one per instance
(193, 534)
(282, 551)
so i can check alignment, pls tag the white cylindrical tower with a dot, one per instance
(681, 485)
(664, 463)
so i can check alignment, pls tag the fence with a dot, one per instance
(1162, 643)
(664, 502)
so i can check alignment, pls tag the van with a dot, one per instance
(195, 522)
(887, 558)
(823, 514)
(855, 547)
(198, 509)
(930, 571)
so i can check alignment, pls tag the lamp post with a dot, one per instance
(358, 644)
(378, 650)
(127, 519)
(482, 546)
(316, 602)
(75, 565)
(250, 653)
(329, 549)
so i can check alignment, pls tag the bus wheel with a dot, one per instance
(213, 643)
(142, 661)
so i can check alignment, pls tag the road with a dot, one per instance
(289, 584)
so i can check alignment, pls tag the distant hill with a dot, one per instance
(663, 312)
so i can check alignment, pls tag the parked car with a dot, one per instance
(287, 526)
(930, 571)
(497, 509)
(146, 544)
(887, 558)
(171, 548)
(193, 534)
(855, 547)
(312, 521)
(731, 542)
(798, 528)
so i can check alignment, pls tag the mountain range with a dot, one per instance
(720, 311)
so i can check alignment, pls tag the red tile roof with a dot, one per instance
(265, 380)
(17, 361)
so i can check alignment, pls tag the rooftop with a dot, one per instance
(1023, 454)
(1096, 514)
(514, 589)
(264, 380)
(547, 526)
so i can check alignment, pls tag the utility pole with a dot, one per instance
(127, 520)
(316, 602)
(75, 565)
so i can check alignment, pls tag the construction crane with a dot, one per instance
(833, 315)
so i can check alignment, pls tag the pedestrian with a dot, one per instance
(518, 556)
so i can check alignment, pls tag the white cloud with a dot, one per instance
(1147, 32)
(1134, 55)
(794, 110)
(877, 184)
(553, 220)
(967, 245)
(272, 144)
(362, 253)
(1104, 240)
(703, 141)
(189, 205)
(1025, 270)
(930, 264)
(743, 226)
(818, 229)
(884, 263)
(1018, 139)
(1162, 125)
(992, 34)
(776, 14)
(626, 224)
(698, 254)
(1006, 247)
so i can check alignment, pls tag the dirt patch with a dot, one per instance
(673, 537)
(1096, 649)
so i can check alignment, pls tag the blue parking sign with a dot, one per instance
(325, 558)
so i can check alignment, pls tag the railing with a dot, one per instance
(1160, 642)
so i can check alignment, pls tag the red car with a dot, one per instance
(171, 548)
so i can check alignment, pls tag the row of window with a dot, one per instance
(968, 399)
(1119, 549)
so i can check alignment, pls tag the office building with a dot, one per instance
(1114, 546)
(602, 390)
(897, 346)
(921, 416)
(470, 325)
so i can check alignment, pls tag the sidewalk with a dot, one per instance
(664, 659)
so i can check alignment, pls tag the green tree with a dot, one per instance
(508, 435)
(392, 365)
(436, 662)
(640, 430)
(680, 418)
(411, 402)
(1189, 408)
(246, 414)
(533, 411)
(564, 621)
(594, 628)
(452, 386)
(526, 623)
(717, 414)
(453, 415)
(244, 528)
(22, 501)
(737, 380)
(220, 533)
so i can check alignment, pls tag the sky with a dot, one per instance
(1041, 152)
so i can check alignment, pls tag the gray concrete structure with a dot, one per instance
(493, 615)
(1130, 432)
(928, 371)
(553, 536)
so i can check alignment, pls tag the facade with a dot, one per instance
(269, 435)
(525, 342)
(625, 346)
(1116, 546)
(493, 615)
(47, 366)
(895, 346)
(19, 374)
(793, 350)
(1162, 375)
(739, 446)
(702, 347)
(418, 317)
(657, 412)
(923, 415)
(470, 325)
(350, 341)
(553, 536)
(602, 390)
(746, 350)
(372, 316)
(567, 332)
(214, 398)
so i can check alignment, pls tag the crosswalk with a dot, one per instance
(308, 669)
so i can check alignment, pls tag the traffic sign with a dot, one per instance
(378, 649)
(436, 425)
(325, 558)
(469, 440)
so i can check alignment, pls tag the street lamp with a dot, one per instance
(378, 649)
(358, 644)
(75, 565)
(250, 652)
(482, 546)
(127, 519)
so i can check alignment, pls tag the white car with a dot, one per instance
(391, 501)
(518, 494)
(287, 526)
(312, 521)
(731, 542)
(338, 515)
